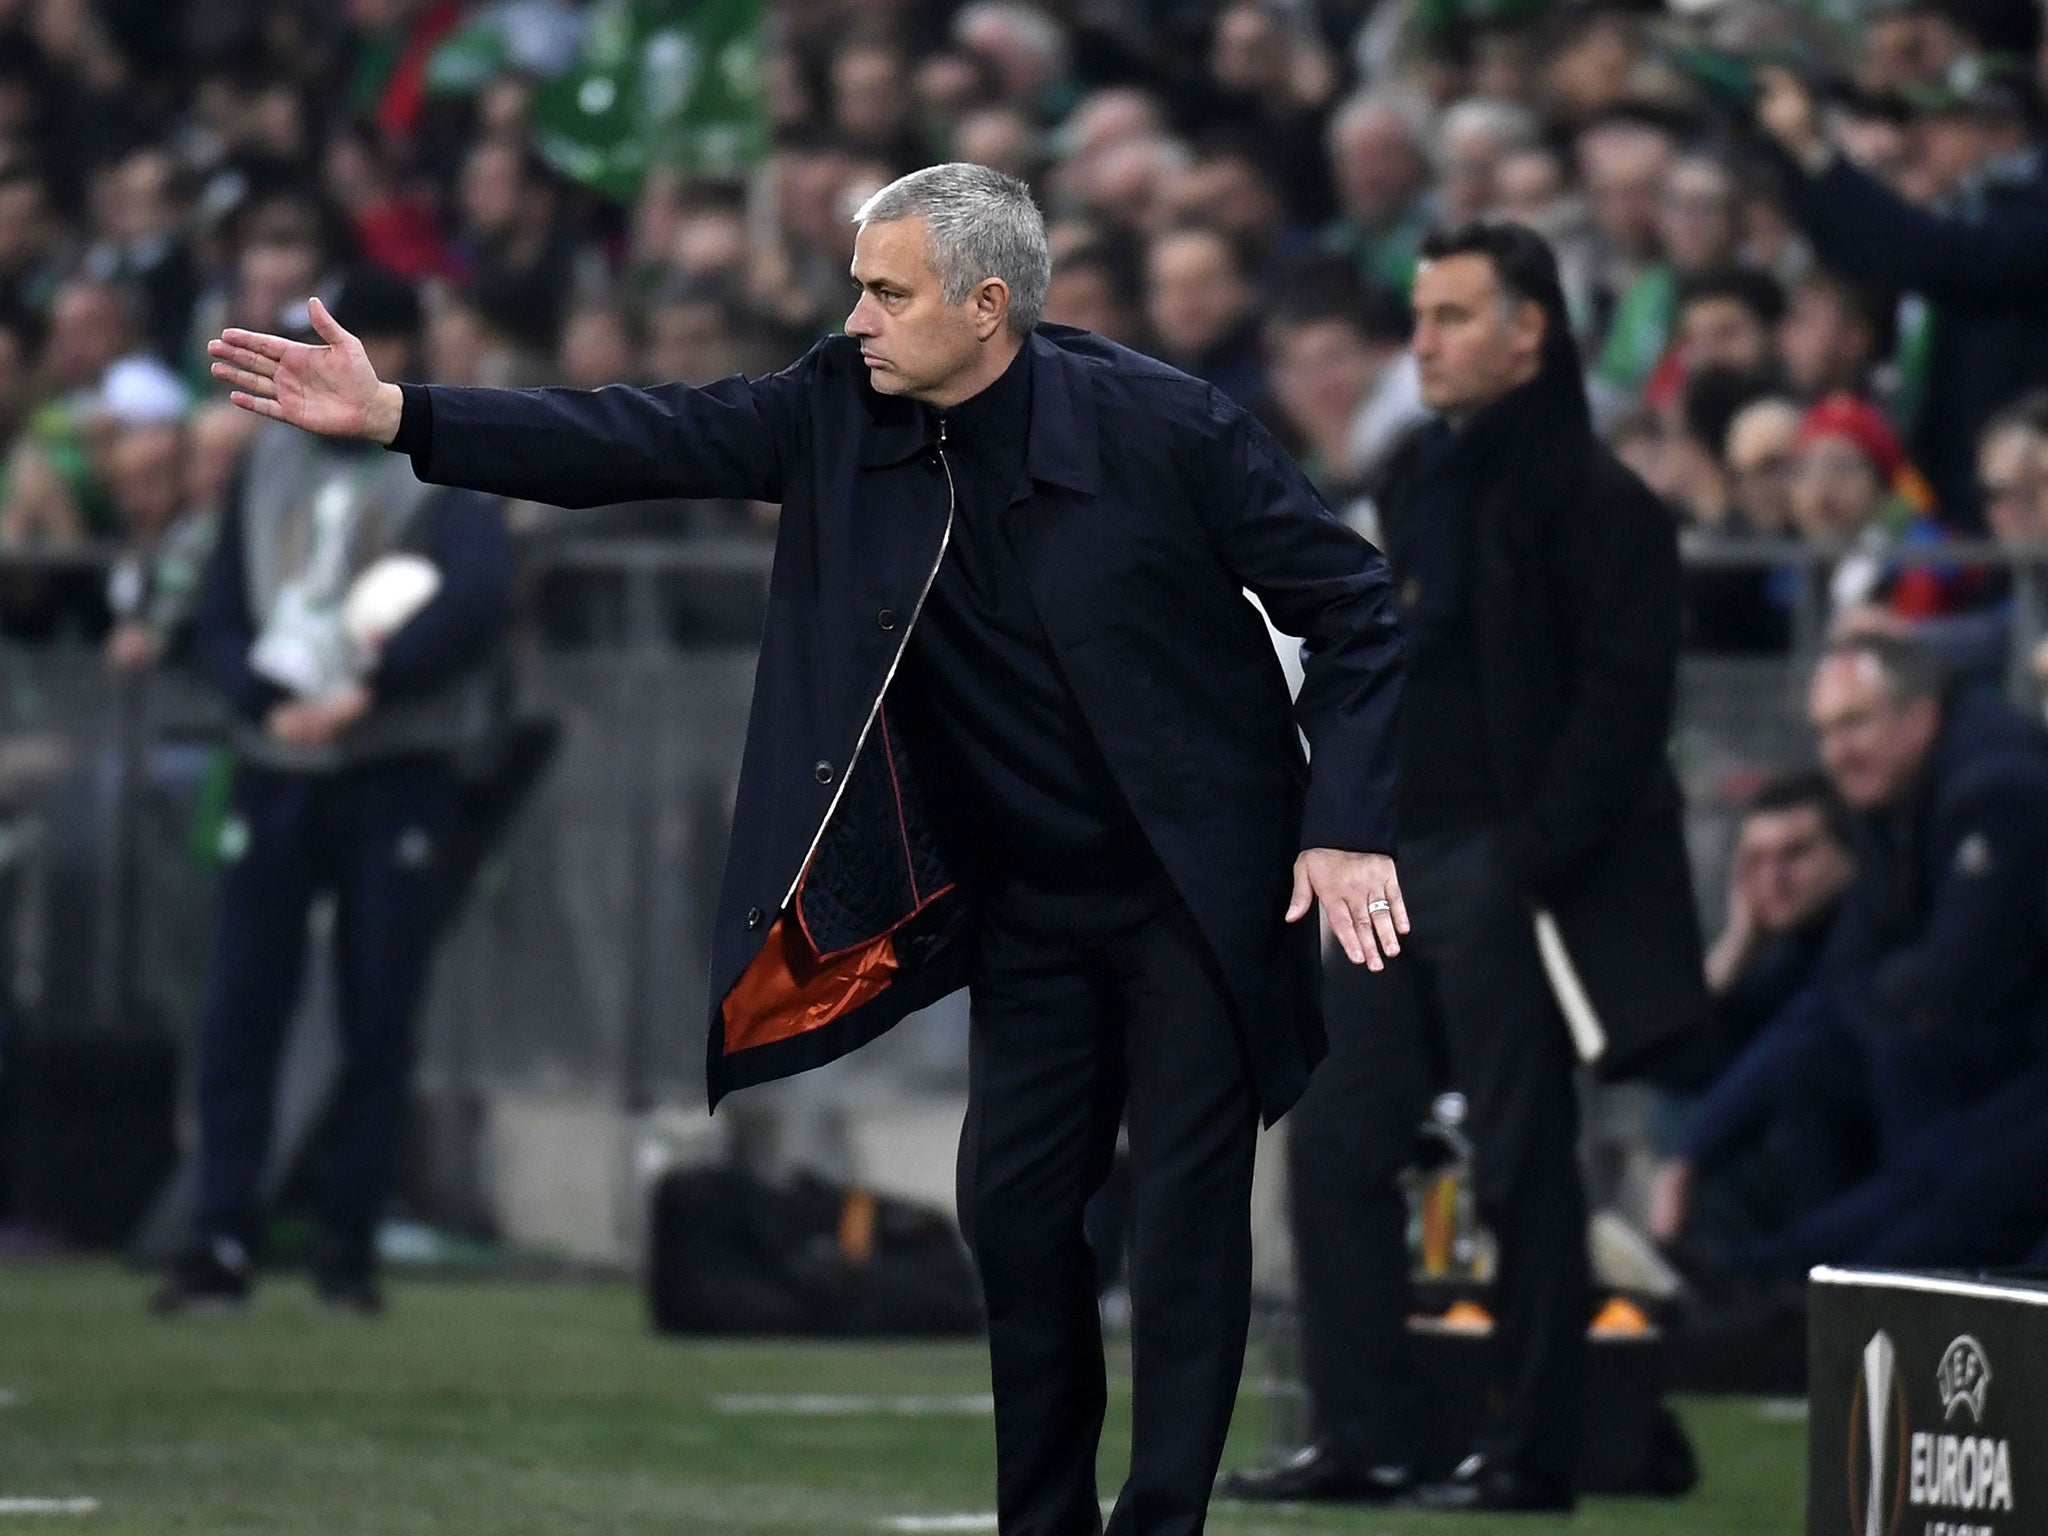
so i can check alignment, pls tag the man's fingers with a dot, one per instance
(1369, 944)
(1400, 906)
(265, 345)
(248, 360)
(1383, 930)
(325, 326)
(1298, 903)
(247, 382)
(261, 407)
(1345, 927)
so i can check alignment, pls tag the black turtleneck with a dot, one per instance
(1020, 788)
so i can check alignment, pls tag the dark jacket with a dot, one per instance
(1984, 268)
(1942, 934)
(1575, 587)
(1151, 503)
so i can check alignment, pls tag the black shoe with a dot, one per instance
(352, 1291)
(1479, 1484)
(214, 1277)
(1319, 1474)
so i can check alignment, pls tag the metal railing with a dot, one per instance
(578, 959)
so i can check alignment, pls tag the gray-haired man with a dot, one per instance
(1014, 727)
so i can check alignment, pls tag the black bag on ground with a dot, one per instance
(730, 1253)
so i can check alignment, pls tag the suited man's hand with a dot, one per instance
(329, 389)
(1350, 886)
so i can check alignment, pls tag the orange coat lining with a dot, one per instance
(791, 990)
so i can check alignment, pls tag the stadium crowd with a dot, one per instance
(1805, 250)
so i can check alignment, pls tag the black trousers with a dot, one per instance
(374, 836)
(1086, 1009)
(1466, 1005)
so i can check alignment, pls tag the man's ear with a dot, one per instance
(1528, 325)
(991, 307)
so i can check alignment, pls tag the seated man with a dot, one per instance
(1792, 866)
(1938, 968)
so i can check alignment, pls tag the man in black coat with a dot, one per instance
(1014, 726)
(1539, 585)
(1980, 259)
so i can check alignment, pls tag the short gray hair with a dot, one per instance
(980, 224)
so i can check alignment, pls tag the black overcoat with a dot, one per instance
(1575, 592)
(1151, 504)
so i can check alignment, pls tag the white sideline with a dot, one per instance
(937, 1523)
(48, 1506)
(825, 1405)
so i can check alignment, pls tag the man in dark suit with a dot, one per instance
(1014, 726)
(1539, 584)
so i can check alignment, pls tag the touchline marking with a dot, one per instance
(1782, 1410)
(824, 1405)
(939, 1523)
(48, 1506)
(9, 1399)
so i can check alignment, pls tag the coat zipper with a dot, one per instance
(875, 709)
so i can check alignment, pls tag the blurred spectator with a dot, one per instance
(600, 345)
(1096, 288)
(1936, 977)
(153, 586)
(1793, 865)
(138, 221)
(691, 338)
(1328, 346)
(1379, 161)
(93, 379)
(1697, 234)
(1980, 257)
(1728, 319)
(1475, 136)
(1747, 608)
(520, 256)
(1852, 486)
(1027, 52)
(1273, 86)
(1834, 336)
(1203, 310)
(1623, 159)
(1761, 443)
(871, 102)
(1228, 188)
(34, 249)
(2012, 478)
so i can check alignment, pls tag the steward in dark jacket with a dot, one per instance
(1576, 611)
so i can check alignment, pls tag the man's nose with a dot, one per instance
(857, 322)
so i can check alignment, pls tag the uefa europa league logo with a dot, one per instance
(1877, 1430)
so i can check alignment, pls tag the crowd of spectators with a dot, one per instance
(1811, 305)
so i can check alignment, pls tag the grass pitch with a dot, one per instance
(505, 1408)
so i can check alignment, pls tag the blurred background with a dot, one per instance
(658, 190)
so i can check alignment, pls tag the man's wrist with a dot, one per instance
(387, 411)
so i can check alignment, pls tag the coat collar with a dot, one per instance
(1064, 446)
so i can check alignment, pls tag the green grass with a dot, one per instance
(508, 1408)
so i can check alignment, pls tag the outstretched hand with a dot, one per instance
(330, 389)
(1361, 895)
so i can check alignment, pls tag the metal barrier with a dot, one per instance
(578, 960)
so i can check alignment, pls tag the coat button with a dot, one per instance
(822, 773)
(754, 916)
(886, 618)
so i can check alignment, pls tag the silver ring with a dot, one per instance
(1379, 906)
